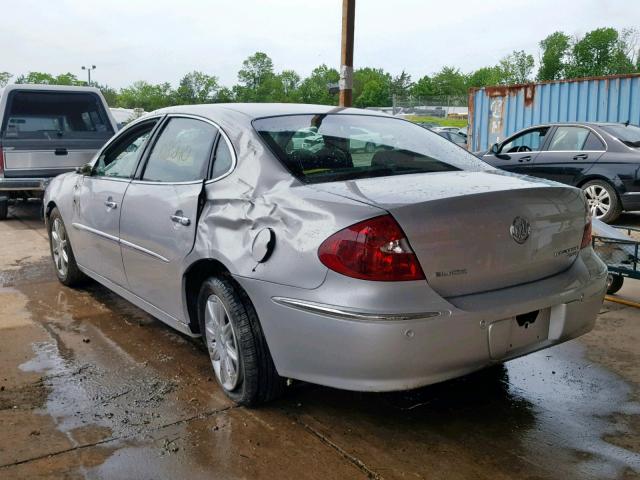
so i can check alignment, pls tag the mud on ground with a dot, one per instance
(92, 387)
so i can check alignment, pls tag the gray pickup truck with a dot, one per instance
(46, 130)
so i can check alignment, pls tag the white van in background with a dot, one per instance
(46, 130)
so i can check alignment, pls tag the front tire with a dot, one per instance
(64, 262)
(233, 336)
(603, 200)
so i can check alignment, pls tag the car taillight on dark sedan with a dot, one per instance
(375, 249)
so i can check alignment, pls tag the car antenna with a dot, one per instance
(626, 124)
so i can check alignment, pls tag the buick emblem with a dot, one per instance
(520, 230)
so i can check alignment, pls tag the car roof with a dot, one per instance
(258, 110)
(47, 88)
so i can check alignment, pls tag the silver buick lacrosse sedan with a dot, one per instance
(335, 246)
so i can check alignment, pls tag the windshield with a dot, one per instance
(333, 147)
(629, 134)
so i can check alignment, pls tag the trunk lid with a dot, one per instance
(459, 224)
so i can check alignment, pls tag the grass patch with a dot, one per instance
(445, 122)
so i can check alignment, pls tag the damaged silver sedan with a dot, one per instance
(334, 246)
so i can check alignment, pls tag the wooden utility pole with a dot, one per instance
(346, 59)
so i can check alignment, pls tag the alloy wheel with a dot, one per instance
(598, 199)
(222, 343)
(59, 244)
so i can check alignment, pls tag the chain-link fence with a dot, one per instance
(437, 106)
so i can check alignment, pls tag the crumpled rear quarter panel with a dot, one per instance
(260, 193)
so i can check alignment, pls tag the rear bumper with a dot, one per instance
(432, 341)
(16, 184)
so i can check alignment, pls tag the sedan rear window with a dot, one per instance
(334, 147)
(627, 134)
(51, 115)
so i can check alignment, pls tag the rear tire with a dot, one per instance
(233, 336)
(64, 262)
(603, 200)
(4, 208)
(614, 283)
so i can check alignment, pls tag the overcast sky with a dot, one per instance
(158, 40)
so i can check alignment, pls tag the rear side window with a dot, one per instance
(223, 160)
(56, 115)
(593, 143)
(182, 152)
(569, 139)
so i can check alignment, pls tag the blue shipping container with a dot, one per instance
(497, 112)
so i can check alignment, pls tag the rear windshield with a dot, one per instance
(51, 115)
(333, 147)
(627, 134)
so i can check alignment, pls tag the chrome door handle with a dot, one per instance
(184, 221)
(111, 204)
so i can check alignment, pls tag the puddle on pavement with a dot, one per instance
(113, 372)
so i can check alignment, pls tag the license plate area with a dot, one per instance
(517, 335)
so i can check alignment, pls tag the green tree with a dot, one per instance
(225, 95)
(486, 76)
(290, 83)
(256, 71)
(553, 62)
(374, 85)
(517, 67)
(449, 81)
(401, 84)
(422, 88)
(602, 51)
(110, 95)
(48, 79)
(147, 96)
(197, 87)
(4, 78)
(315, 88)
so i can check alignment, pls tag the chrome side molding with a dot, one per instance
(350, 314)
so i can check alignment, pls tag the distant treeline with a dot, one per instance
(604, 51)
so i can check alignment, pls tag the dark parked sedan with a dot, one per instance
(601, 158)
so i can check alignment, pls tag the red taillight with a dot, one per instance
(375, 249)
(586, 236)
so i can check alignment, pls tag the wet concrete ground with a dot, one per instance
(92, 387)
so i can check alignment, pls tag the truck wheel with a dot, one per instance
(64, 262)
(614, 283)
(233, 336)
(4, 208)
(603, 200)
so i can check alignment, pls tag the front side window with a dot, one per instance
(56, 115)
(120, 159)
(568, 139)
(182, 151)
(529, 141)
(346, 147)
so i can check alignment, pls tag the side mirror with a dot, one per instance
(85, 169)
(495, 149)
